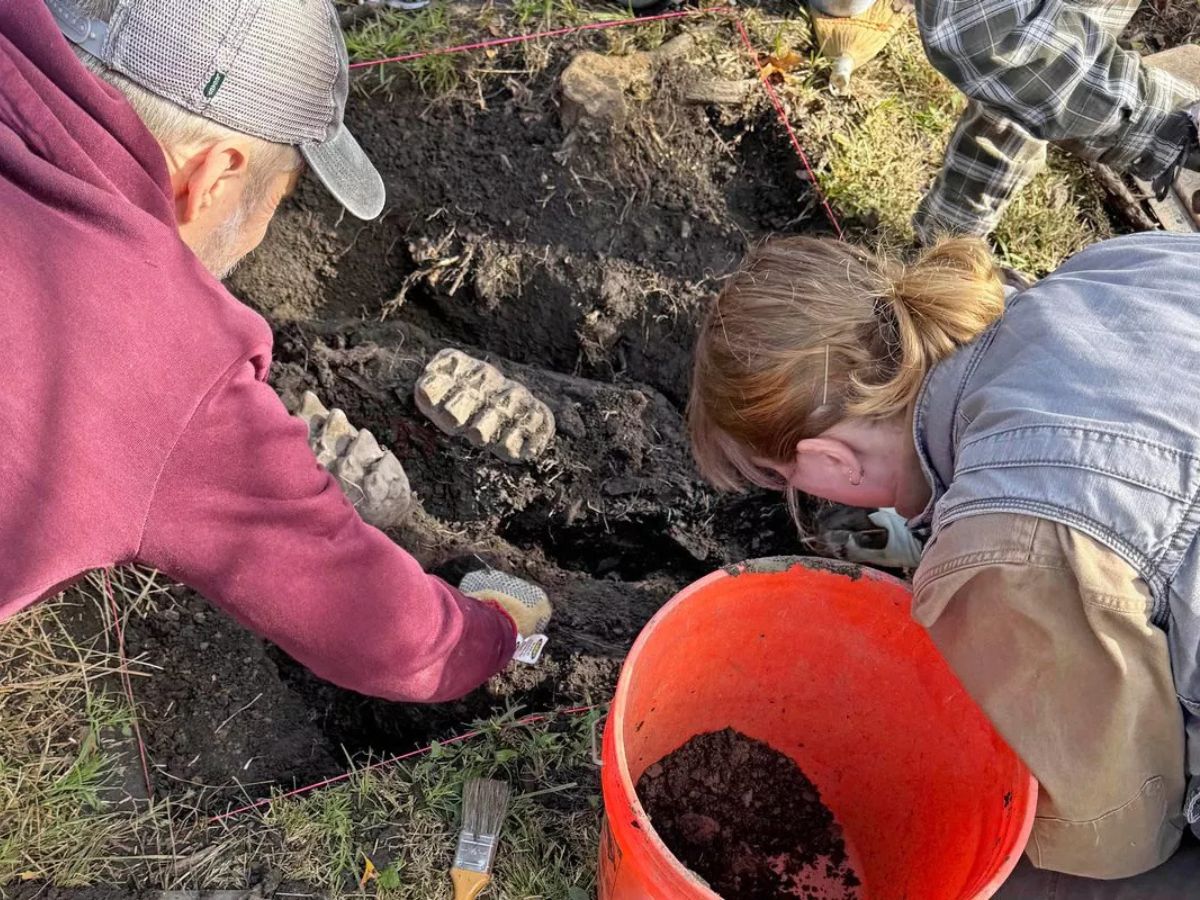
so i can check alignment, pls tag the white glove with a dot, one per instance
(526, 604)
(902, 551)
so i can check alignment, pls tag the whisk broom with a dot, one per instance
(850, 42)
(484, 804)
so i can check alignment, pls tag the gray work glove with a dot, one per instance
(526, 604)
(880, 538)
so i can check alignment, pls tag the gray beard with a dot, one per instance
(216, 252)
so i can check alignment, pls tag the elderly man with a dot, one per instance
(1038, 73)
(144, 148)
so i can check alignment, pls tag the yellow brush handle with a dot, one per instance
(468, 885)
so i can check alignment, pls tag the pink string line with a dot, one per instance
(554, 32)
(783, 118)
(127, 683)
(457, 739)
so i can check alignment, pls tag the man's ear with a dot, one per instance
(829, 460)
(214, 181)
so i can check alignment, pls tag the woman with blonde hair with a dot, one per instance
(1050, 441)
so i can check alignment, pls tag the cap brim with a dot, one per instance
(344, 169)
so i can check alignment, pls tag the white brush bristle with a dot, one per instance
(485, 802)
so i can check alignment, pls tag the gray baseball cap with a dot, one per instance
(275, 69)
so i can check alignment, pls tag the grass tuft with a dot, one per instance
(398, 32)
(442, 24)
(57, 714)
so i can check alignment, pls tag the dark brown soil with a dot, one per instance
(45, 892)
(1162, 24)
(583, 263)
(747, 820)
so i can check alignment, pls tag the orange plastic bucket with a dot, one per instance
(823, 662)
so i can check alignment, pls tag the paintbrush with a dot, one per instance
(484, 804)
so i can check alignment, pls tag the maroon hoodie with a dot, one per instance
(137, 425)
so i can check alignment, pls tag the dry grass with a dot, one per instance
(60, 716)
(64, 819)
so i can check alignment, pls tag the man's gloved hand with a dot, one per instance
(526, 603)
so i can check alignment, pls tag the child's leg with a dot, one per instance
(988, 160)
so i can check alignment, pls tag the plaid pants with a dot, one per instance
(990, 157)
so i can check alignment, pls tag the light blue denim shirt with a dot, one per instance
(1082, 406)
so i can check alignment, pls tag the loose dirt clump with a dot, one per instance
(747, 820)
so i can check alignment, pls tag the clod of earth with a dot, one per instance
(596, 87)
(466, 396)
(747, 820)
(371, 476)
(719, 91)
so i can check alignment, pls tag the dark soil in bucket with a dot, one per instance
(747, 820)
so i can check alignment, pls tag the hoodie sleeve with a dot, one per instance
(244, 514)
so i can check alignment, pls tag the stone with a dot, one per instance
(598, 88)
(1183, 62)
(595, 87)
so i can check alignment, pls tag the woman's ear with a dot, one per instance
(826, 467)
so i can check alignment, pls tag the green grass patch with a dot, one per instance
(544, 15)
(399, 32)
(441, 25)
